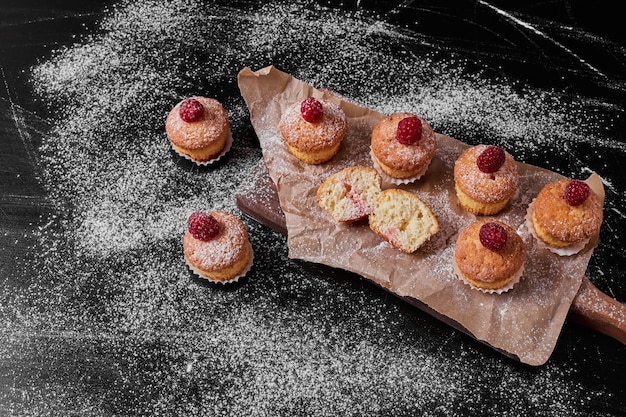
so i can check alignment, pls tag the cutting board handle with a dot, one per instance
(596, 310)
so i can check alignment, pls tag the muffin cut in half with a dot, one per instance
(403, 220)
(350, 194)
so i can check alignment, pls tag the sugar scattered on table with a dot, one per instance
(112, 299)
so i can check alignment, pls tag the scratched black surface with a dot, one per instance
(574, 47)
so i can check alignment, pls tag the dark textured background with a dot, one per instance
(575, 48)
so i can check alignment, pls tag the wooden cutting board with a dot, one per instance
(590, 307)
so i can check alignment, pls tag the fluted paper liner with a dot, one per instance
(396, 181)
(224, 151)
(198, 272)
(525, 321)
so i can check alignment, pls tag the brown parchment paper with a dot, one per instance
(525, 321)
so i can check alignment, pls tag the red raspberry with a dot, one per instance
(190, 110)
(576, 192)
(311, 110)
(203, 226)
(493, 236)
(409, 130)
(491, 159)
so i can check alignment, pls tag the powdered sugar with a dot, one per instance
(227, 145)
(314, 137)
(485, 187)
(234, 279)
(114, 309)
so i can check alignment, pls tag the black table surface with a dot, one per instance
(99, 315)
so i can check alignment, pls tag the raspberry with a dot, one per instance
(491, 159)
(493, 236)
(203, 226)
(311, 110)
(576, 192)
(409, 130)
(190, 110)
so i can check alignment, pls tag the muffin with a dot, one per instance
(485, 179)
(566, 213)
(403, 220)
(313, 129)
(403, 145)
(216, 246)
(198, 128)
(489, 255)
(350, 194)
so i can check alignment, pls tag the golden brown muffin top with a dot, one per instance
(222, 251)
(485, 187)
(394, 154)
(484, 265)
(562, 221)
(212, 126)
(313, 137)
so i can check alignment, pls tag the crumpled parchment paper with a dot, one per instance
(525, 321)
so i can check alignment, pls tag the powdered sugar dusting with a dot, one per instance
(222, 251)
(207, 130)
(314, 137)
(112, 321)
(388, 150)
(485, 187)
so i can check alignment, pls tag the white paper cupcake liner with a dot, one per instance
(245, 270)
(509, 286)
(227, 146)
(570, 250)
(397, 181)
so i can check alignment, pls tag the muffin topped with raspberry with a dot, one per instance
(313, 129)
(566, 213)
(402, 147)
(198, 129)
(485, 179)
(489, 255)
(216, 246)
